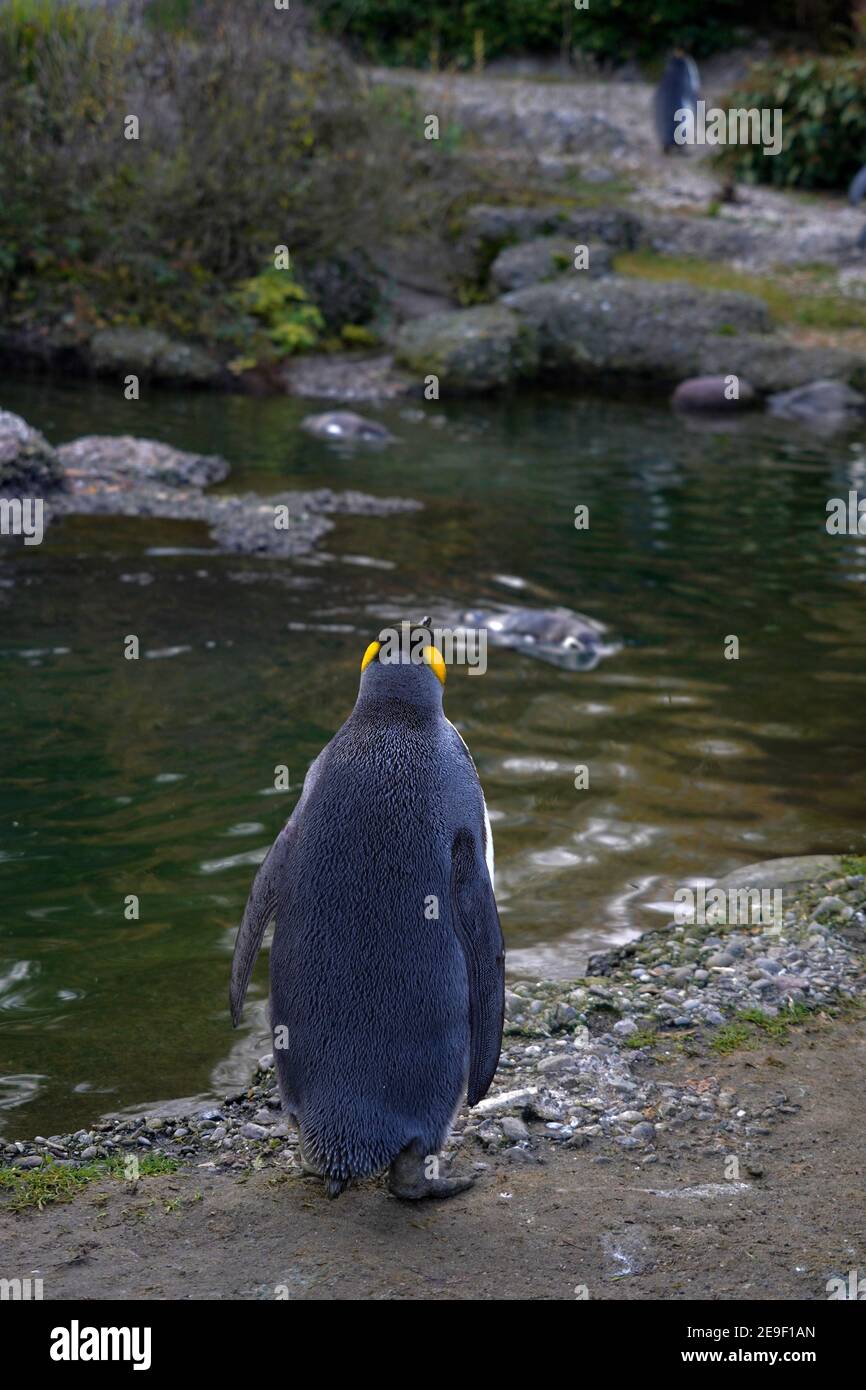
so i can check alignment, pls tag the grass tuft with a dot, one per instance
(751, 1026)
(801, 300)
(41, 1187)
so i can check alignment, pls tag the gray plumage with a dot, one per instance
(390, 1013)
(857, 187)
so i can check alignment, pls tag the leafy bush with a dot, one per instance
(277, 300)
(823, 100)
(404, 31)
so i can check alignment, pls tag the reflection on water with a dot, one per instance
(156, 778)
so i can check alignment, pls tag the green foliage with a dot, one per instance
(824, 123)
(402, 31)
(358, 335)
(275, 298)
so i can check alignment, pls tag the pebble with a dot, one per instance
(514, 1128)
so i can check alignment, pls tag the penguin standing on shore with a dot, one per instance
(856, 194)
(678, 90)
(387, 964)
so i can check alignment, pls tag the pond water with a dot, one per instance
(155, 777)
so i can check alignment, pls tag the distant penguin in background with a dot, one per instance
(387, 964)
(678, 90)
(856, 194)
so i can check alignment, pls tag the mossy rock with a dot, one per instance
(146, 352)
(488, 229)
(588, 330)
(470, 350)
(545, 259)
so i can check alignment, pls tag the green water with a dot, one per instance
(155, 777)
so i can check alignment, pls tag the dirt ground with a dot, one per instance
(591, 1218)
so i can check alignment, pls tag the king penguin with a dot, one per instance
(387, 964)
(677, 92)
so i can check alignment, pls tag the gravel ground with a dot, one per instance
(582, 1061)
(746, 1181)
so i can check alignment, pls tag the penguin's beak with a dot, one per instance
(369, 655)
(431, 655)
(434, 658)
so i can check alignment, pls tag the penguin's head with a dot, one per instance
(404, 665)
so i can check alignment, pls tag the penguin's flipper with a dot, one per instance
(268, 884)
(476, 922)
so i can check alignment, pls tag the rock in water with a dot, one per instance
(711, 393)
(556, 635)
(340, 376)
(28, 464)
(147, 353)
(469, 350)
(827, 403)
(589, 329)
(347, 427)
(124, 459)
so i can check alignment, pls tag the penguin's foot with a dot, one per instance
(414, 1175)
(308, 1167)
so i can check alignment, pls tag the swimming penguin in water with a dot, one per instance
(557, 635)
(678, 90)
(387, 964)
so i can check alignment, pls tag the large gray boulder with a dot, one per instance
(469, 350)
(148, 353)
(28, 464)
(707, 238)
(546, 258)
(590, 329)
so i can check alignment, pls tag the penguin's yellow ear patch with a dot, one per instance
(369, 655)
(433, 657)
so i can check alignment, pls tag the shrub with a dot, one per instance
(404, 31)
(276, 299)
(248, 127)
(823, 101)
